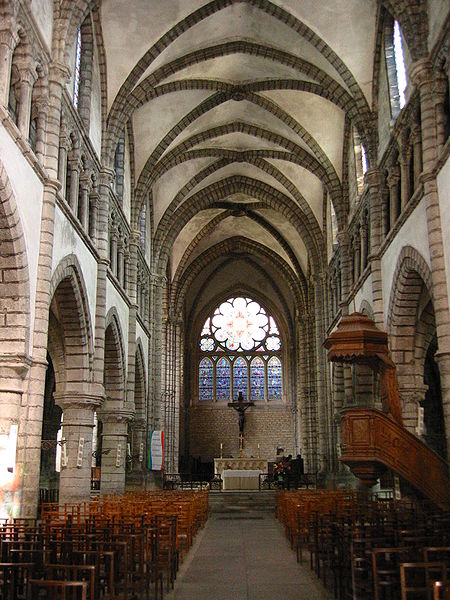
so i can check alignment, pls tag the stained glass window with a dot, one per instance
(206, 379)
(274, 378)
(245, 344)
(400, 63)
(76, 76)
(223, 380)
(240, 324)
(240, 377)
(257, 379)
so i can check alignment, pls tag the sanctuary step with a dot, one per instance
(242, 503)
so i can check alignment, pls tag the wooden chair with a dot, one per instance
(85, 573)
(417, 579)
(57, 590)
(14, 578)
(386, 571)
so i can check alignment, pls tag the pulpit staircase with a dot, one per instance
(374, 440)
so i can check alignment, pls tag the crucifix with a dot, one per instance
(240, 406)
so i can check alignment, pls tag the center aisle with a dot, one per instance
(238, 557)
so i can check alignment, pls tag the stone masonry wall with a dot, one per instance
(210, 426)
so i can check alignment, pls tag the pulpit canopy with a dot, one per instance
(357, 340)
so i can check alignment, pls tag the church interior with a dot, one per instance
(225, 273)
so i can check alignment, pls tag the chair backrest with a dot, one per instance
(57, 590)
(418, 578)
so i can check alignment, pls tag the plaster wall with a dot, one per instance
(142, 336)
(443, 182)
(95, 123)
(364, 293)
(42, 11)
(28, 191)
(67, 241)
(413, 233)
(114, 299)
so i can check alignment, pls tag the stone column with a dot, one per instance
(64, 145)
(8, 41)
(106, 177)
(120, 262)
(422, 75)
(372, 179)
(364, 240)
(77, 429)
(321, 373)
(93, 211)
(83, 209)
(158, 282)
(417, 149)
(385, 212)
(356, 257)
(31, 411)
(27, 79)
(131, 289)
(393, 179)
(440, 89)
(114, 450)
(113, 250)
(404, 177)
(74, 168)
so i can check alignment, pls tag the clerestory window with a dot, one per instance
(240, 351)
(76, 79)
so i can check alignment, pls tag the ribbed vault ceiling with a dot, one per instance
(238, 113)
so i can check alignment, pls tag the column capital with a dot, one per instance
(157, 279)
(372, 177)
(106, 176)
(59, 73)
(9, 36)
(116, 416)
(74, 399)
(422, 72)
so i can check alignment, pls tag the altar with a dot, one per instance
(241, 479)
(243, 464)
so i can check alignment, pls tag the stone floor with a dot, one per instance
(244, 557)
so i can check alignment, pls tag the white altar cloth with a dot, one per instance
(241, 479)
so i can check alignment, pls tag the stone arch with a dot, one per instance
(232, 247)
(114, 365)
(69, 298)
(410, 325)
(172, 223)
(216, 5)
(14, 283)
(366, 308)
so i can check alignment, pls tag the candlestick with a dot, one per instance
(221, 450)
(259, 453)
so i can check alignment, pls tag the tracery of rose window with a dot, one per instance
(240, 350)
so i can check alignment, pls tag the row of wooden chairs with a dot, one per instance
(115, 548)
(365, 548)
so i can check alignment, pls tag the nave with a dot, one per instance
(242, 554)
